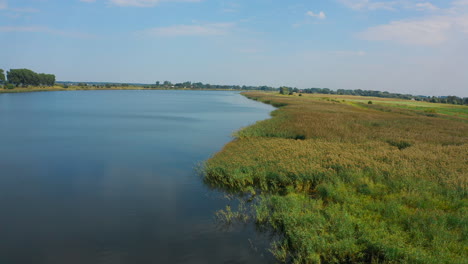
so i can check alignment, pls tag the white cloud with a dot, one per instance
(145, 3)
(425, 6)
(320, 15)
(460, 3)
(24, 10)
(214, 29)
(139, 3)
(42, 29)
(430, 31)
(427, 31)
(4, 6)
(349, 53)
(369, 5)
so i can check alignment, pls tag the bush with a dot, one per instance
(430, 110)
(370, 102)
(9, 86)
(399, 144)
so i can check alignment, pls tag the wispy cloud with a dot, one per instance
(213, 29)
(139, 3)
(428, 31)
(320, 15)
(348, 53)
(460, 3)
(24, 10)
(432, 30)
(14, 12)
(425, 6)
(43, 29)
(369, 5)
(392, 5)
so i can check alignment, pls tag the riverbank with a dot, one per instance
(343, 181)
(93, 88)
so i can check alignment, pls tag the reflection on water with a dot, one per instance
(107, 177)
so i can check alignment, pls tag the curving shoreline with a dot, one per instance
(78, 88)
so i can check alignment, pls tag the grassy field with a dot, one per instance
(339, 180)
(444, 109)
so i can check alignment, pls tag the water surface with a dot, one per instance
(108, 177)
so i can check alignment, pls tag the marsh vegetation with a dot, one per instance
(343, 181)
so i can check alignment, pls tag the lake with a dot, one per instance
(109, 177)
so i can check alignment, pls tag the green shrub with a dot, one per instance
(400, 144)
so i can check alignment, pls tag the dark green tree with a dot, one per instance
(47, 79)
(27, 77)
(2, 76)
(284, 90)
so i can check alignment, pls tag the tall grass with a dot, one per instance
(347, 184)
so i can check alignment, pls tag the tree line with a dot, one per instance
(432, 99)
(207, 86)
(26, 77)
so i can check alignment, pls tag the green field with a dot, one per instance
(339, 180)
(443, 109)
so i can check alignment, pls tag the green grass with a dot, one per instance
(351, 183)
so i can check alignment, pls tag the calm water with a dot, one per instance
(108, 177)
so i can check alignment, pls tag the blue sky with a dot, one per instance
(406, 46)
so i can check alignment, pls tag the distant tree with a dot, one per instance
(158, 83)
(2, 76)
(27, 77)
(50, 79)
(284, 90)
(23, 77)
(46, 79)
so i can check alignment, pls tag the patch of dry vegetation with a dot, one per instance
(344, 183)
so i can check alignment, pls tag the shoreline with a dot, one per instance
(332, 178)
(56, 89)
